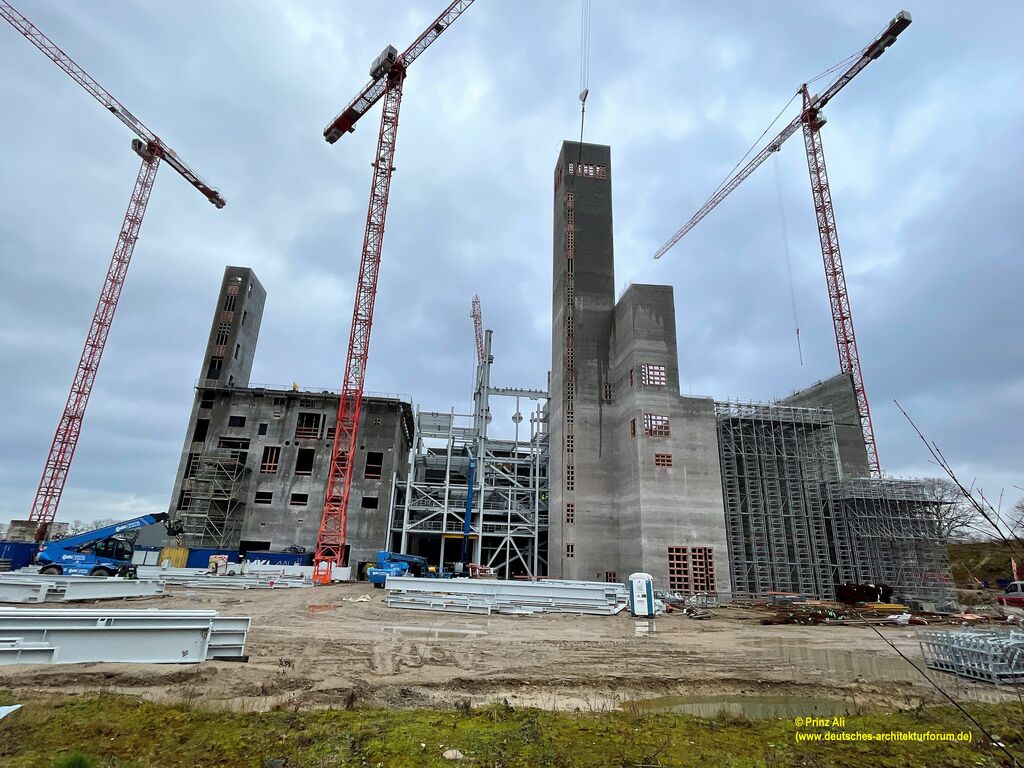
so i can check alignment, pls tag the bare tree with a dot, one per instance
(991, 519)
(958, 518)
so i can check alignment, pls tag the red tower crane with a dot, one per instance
(152, 149)
(478, 328)
(811, 120)
(387, 75)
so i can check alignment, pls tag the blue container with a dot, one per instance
(200, 558)
(281, 558)
(20, 553)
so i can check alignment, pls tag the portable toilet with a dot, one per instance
(641, 594)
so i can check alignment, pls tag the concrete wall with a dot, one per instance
(658, 506)
(837, 394)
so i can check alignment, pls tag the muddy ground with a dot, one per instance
(318, 647)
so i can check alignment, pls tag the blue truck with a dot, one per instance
(100, 552)
(396, 564)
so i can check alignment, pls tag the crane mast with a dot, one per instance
(478, 328)
(387, 78)
(810, 120)
(152, 150)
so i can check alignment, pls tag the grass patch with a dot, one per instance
(126, 732)
(983, 560)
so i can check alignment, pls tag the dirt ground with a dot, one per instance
(318, 647)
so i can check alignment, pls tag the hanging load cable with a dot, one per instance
(789, 266)
(585, 9)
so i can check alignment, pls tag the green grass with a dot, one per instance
(130, 733)
(980, 559)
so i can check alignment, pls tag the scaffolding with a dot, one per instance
(216, 488)
(507, 521)
(895, 525)
(776, 463)
(794, 524)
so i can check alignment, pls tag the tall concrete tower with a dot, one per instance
(634, 470)
(583, 532)
(235, 329)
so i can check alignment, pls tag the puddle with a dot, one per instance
(753, 707)
(842, 665)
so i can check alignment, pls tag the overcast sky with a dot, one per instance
(924, 154)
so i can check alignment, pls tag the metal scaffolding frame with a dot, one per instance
(509, 512)
(218, 488)
(895, 526)
(794, 524)
(776, 461)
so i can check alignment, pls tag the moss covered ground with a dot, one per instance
(107, 731)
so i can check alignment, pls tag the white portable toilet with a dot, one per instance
(641, 594)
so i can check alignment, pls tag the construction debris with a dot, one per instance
(989, 655)
(21, 587)
(505, 596)
(5, 711)
(74, 635)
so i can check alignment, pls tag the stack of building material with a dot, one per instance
(70, 636)
(500, 596)
(990, 655)
(203, 579)
(21, 587)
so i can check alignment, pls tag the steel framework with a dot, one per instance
(386, 82)
(811, 120)
(509, 515)
(152, 149)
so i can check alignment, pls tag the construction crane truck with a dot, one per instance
(101, 552)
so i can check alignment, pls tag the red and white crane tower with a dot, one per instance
(387, 75)
(811, 120)
(152, 149)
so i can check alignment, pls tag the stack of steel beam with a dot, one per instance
(70, 636)
(990, 655)
(486, 596)
(20, 587)
(201, 578)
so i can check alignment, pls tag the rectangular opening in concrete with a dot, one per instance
(299, 499)
(663, 459)
(570, 550)
(216, 364)
(202, 427)
(263, 497)
(223, 331)
(304, 461)
(374, 465)
(570, 513)
(262, 429)
(236, 421)
(271, 459)
(307, 427)
(653, 375)
(369, 502)
(656, 425)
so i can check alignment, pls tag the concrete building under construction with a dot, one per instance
(254, 463)
(609, 470)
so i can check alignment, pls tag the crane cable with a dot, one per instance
(785, 250)
(585, 9)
